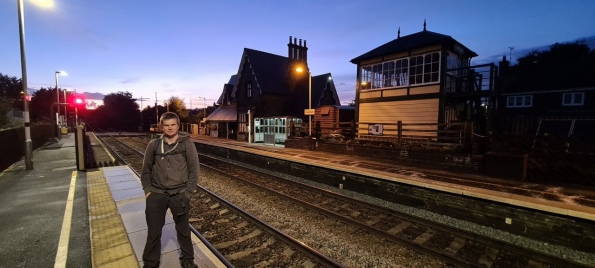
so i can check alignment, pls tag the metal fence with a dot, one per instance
(12, 142)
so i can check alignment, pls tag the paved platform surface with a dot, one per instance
(56, 216)
(573, 200)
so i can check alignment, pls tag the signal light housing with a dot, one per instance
(77, 101)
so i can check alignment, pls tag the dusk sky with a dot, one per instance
(191, 48)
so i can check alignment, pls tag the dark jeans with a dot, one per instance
(157, 205)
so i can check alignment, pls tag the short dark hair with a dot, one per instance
(168, 116)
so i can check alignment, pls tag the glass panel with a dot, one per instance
(567, 98)
(435, 66)
(377, 76)
(519, 101)
(578, 98)
(510, 101)
(528, 100)
(434, 77)
(366, 77)
(388, 71)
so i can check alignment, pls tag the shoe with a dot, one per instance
(188, 263)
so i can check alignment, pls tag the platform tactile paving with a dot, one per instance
(110, 245)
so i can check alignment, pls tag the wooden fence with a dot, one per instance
(439, 134)
(399, 133)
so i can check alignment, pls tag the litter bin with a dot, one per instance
(64, 130)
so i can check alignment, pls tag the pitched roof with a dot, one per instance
(227, 89)
(412, 41)
(224, 113)
(319, 83)
(269, 70)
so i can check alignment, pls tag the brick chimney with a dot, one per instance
(295, 50)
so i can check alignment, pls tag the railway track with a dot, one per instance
(239, 238)
(246, 241)
(453, 246)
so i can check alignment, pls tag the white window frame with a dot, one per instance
(522, 98)
(573, 98)
(399, 73)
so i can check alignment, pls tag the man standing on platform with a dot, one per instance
(169, 177)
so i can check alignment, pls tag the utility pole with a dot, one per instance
(141, 111)
(510, 54)
(156, 110)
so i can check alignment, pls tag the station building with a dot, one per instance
(267, 94)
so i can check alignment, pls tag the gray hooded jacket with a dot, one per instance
(170, 170)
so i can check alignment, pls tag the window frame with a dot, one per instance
(248, 89)
(399, 72)
(573, 99)
(515, 99)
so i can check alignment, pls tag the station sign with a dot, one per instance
(309, 111)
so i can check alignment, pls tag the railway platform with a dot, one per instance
(56, 216)
(514, 192)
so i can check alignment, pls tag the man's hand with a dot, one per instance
(147, 195)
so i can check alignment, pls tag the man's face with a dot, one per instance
(170, 127)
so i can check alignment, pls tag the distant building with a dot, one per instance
(267, 86)
(561, 112)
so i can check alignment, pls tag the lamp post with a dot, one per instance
(28, 142)
(65, 105)
(58, 101)
(204, 113)
(309, 99)
(204, 110)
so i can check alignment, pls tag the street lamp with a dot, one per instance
(65, 105)
(204, 115)
(299, 70)
(28, 142)
(58, 100)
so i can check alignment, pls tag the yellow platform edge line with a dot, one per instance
(110, 245)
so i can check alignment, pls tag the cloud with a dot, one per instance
(130, 81)
(93, 96)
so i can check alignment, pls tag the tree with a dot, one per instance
(4, 109)
(10, 91)
(119, 111)
(41, 103)
(177, 106)
(562, 66)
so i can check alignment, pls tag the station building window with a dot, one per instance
(248, 89)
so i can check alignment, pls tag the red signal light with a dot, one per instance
(77, 101)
